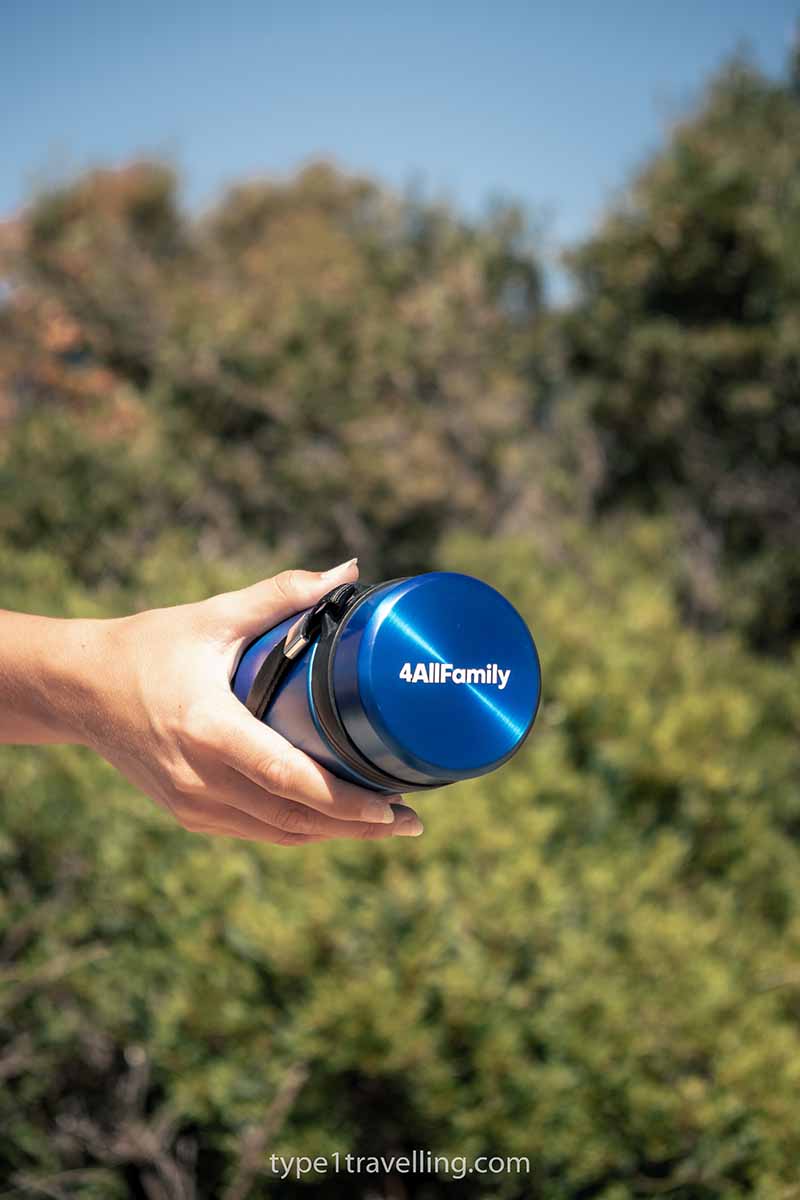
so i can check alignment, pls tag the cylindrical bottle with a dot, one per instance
(404, 685)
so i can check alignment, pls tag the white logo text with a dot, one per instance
(435, 672)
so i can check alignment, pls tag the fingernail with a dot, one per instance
(406, 823)
(377, 810)
(338, 570)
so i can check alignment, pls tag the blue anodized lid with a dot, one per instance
(436, 677)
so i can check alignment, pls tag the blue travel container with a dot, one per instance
(400, 686)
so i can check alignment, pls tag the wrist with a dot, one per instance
(81, 672)
(50, 677)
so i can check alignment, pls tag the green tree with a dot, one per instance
(317, 365)
(682, 351)
(590, 959)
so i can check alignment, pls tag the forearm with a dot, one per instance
(47, 672)
(151, 693)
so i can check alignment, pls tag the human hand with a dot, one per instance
(163, 713)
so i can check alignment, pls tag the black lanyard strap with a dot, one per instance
(323, 625)
(305, 630)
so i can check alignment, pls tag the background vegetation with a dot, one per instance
(591, 958)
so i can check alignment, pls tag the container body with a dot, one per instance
(291, 713)
(433, 678)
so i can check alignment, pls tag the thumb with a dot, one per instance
(251, 610)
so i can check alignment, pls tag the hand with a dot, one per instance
(163, 714)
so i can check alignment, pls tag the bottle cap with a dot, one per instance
(435, 677)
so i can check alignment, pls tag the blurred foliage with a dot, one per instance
(314, 366)
(685, 349)
(592, 958)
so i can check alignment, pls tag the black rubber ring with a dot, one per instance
(327, 711)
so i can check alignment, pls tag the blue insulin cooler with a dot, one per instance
(399, 686)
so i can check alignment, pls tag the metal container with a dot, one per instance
(400, 686)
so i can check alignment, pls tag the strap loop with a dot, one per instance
(300, 635)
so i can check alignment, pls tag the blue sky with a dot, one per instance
(553, 104)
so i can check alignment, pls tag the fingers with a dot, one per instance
(213, 817)
(269, 761)
(218, 816)
(243, 794)
(237, 776)
(253, 609)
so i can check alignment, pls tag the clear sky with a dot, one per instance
(552, 104)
